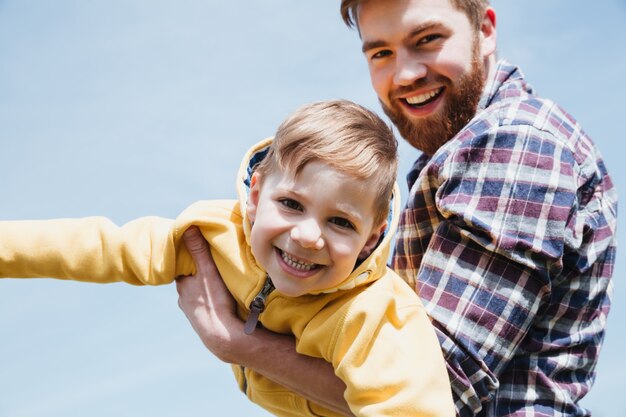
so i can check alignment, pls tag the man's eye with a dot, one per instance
(291, 204)
(428, 39)
(381, 54)
(341, 222)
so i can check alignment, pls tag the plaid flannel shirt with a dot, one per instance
(509, 233)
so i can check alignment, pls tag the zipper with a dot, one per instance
(244, 384)
(257, 306)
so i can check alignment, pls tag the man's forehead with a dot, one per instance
(408, 9)
(381, 18)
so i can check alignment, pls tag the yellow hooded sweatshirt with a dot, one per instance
(372, 328)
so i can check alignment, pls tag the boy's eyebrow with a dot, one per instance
(368, 45)
(348, 213)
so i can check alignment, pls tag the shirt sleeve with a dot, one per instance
(504, 200)
(91, 249)
(144, 251)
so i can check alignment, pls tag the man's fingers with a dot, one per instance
(198, 247)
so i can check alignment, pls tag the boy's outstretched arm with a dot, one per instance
(210, 309)
(91, 249)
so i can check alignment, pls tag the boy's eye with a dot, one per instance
(291, 204)
(341, 222)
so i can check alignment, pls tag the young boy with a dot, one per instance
(303, 252)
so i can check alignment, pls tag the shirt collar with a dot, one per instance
(506, 77)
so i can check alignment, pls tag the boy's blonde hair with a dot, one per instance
(343, 135)
(474, 9)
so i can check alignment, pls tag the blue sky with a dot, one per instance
(136, 107)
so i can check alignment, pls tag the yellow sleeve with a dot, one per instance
(386, 352)
(145, 251)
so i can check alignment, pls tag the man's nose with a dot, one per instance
(308, 234)
(408, 68)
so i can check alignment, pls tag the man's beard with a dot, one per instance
(432, 132)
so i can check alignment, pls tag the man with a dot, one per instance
(508, 234)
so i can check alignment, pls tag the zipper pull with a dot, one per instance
(257, 306)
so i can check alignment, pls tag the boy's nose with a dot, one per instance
(308, 234)
(408, 69)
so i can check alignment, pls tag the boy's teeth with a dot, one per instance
(296, 264)
(421, 98)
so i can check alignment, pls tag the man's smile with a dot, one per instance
(420, 100)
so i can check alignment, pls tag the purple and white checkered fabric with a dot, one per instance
(509, 232)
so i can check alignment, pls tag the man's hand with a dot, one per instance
(210, 309)
(205, 300)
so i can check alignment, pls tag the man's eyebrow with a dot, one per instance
(368, 45)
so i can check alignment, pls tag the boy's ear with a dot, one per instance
(372, 241)
(253, 197)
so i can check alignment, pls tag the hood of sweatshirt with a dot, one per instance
(370, 269)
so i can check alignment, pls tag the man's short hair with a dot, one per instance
(474, 9)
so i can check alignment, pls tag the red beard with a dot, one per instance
(428, 134)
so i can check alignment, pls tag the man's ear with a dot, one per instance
(253, 197)
(488, 33)
(372, 241)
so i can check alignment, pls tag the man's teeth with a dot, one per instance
(296, 264)
(422, 98)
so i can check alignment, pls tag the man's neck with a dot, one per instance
(490, 69)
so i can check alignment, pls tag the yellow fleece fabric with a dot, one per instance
(372, 328)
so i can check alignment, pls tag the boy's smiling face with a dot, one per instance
(310, 229)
